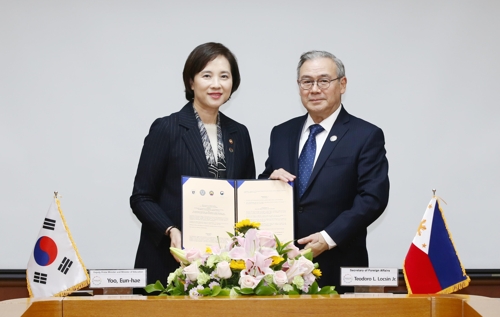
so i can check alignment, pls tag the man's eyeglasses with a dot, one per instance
(323, 83)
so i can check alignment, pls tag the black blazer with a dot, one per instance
(174, 148)
(347, 191)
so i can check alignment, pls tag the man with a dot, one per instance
(339, 167)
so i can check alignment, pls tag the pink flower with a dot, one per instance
(266, 239)
(240, 240)
(192, 254)
(300, 267)
(223, 270)
(285, 266)
(215, 249)
(279, 278)
(258, 265)
(293, 251)
(248, 281)
(249, 246)
(309, 279)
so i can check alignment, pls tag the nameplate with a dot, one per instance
(117, 278)
(366, 276)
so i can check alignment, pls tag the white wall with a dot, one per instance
(81, 82)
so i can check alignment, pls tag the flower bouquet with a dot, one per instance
(253, 262)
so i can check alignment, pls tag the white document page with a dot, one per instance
(269, 202)
(207, 212)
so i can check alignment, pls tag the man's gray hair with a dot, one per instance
(321, 54)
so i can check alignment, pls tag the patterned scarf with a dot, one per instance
(217, 168)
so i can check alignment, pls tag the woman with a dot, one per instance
(196, 141)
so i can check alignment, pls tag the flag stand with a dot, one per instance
(55, 267)
(431, 265)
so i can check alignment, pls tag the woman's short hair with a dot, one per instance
(200, 57)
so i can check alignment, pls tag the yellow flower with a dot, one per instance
(316, 272)
(247, 223)
(237, 265)
(276, 259)
(208, 250)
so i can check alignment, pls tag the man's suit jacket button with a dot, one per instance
(300, 209)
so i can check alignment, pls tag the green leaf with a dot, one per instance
(294, 292)
(246, 291)
(224, 292)
(264, 290)
(150, 288)
(308, 255)
(238, 291)
(286, 244)
(278, 242)
(216, 290)
(313, 289)
(328, 290)
(178, 286)
(260, 283)
(206, 291)
(158, 286)
(176, 292)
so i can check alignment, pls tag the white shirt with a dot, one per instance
(212, 136)
(321, 137)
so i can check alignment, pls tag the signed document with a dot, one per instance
(211, 207)
(269, 202)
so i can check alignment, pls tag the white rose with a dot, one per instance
(192, 271)
(280, 278)
(223, 270)
(248, 281)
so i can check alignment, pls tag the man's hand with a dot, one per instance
(282, 175)
(175, 240)
(315, 242)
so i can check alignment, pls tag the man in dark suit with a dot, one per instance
(339, 167)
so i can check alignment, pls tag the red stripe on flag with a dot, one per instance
(420, 273)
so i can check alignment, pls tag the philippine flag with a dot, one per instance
(432, 265)
(55, 267)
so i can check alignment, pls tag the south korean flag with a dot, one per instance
(55, 267)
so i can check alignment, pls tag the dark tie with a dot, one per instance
(306, 158)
